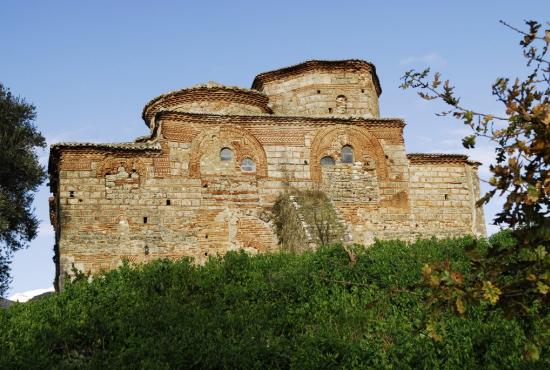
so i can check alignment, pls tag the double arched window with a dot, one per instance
(346, 156)
(247, 164)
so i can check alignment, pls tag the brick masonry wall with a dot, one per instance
(172, 195)
(116, 205)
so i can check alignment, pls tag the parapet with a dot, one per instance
(209, 98)
(344, 88)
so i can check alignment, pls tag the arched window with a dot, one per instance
(341, 104)
(248, 165)
(327, 161)
(226, 154)
(347, 154)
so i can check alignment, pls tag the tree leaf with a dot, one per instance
(469, 141)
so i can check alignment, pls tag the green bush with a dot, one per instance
(285, 310)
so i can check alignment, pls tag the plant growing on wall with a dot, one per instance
(303, 216)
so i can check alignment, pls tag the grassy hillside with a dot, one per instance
(269, 311)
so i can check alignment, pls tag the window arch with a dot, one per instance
(341, 104)
(327, 161)
(347, 154)
(248, 165)
(226, 154)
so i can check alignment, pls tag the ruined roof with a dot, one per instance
(211, 91)
(439, 158)
(314, 65)
(55, 149)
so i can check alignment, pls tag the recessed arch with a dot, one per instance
(111, 165)
(242, 142)
(341, 104)
(366, 148)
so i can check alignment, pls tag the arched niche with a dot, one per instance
(341, 104)
(113, 165)
(241, 142)
(331, 140)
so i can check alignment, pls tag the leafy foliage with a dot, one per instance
(515, 276)
(286, 310)
(20, 176)
(522, 137)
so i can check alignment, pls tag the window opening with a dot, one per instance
(248, 165)
(226, 154)
(347, 154)
(327, 161)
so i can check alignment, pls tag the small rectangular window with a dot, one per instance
(144, 220)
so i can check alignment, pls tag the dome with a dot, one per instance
(210, 98)
(342, 88)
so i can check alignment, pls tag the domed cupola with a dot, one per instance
(210, 98)
(343, 88)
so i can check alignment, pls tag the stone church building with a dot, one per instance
(217, 157)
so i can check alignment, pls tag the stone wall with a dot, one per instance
(312, 89)
(182, 200)
(443, 197)
(342, 93)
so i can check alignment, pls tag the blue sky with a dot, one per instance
(90, 67)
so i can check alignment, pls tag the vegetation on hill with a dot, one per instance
(285, 310)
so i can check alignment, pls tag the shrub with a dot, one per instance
(284, 310)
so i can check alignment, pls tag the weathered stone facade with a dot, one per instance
(217, 157)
